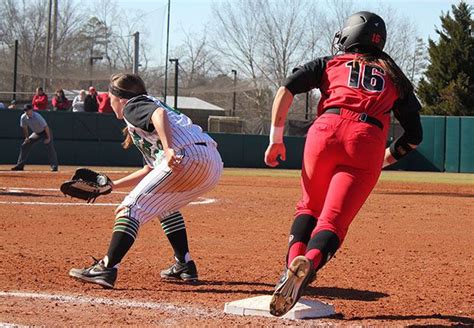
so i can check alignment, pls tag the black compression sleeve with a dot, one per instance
(306, 77)
(407, 113)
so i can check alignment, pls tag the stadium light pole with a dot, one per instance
(91, 63)
(175, 60)
(234, 94)
(136, 37)
(167, 50)
(48, 47)
(15, 70)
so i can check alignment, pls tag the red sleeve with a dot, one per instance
(43, 101)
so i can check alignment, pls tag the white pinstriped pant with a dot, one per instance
(163, 192)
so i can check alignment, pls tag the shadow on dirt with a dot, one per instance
(22, 194)
(332, 293)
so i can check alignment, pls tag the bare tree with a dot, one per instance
(197, 61)
(401, 36)
(326, 20)
(78, 35)
(283, 32)
(24, 21)
(262, 39)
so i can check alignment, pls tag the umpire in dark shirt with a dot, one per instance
(33, 121)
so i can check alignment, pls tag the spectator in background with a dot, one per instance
(34, 121)
(91, 103)
(60, 102)
(104, 103)
(2, 105)
(40, 100)
(12, 104)
(78, 102)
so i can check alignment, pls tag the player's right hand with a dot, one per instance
(273, 152)
(173, 160)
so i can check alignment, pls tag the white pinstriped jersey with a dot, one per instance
(137, 115)
(163, 191)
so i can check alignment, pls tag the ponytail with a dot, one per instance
(126, 86)
(402, 83)
(127, 142)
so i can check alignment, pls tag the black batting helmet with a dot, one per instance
(364, 30)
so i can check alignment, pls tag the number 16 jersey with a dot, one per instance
(346, 83)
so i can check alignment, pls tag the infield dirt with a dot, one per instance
(407, 260)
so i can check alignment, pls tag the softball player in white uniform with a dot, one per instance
(182, 163)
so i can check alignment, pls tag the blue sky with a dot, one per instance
(191, 15)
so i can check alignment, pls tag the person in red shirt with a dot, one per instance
(104, 103)
(59, 101)
(40, 100)
(345, 147)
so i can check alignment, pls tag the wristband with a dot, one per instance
(276, 134)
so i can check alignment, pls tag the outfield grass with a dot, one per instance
(400, 176)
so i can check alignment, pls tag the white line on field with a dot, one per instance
(78, 299)
(11, 325)
(200, 201)
(14, 189)
(55, 173)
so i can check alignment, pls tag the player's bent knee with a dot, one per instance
(126, 224)
(172, 223)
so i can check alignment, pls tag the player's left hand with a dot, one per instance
(47, 140)
(273, 152)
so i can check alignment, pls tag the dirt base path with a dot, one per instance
(407, 260)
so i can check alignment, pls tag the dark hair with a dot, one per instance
(127, 86)
(61, 96)
(402, 83)
(27, 107)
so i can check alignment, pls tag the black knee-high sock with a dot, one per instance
(300, 233)
(175, 230)
(124, 234)
(322, 247)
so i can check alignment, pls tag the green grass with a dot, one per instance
(429, 177)
(398, 176)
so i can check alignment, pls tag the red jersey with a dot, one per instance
(361, 88)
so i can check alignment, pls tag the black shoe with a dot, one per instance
(54, 169)
(181, 271)
(17, 168)
(291, 286)
(97, 273)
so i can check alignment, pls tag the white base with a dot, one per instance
(260, 306)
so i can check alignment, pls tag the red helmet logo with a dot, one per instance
(376, 38)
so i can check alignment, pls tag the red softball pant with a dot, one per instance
(341, 164)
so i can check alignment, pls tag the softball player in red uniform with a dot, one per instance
(182, 163)
(345, 147)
